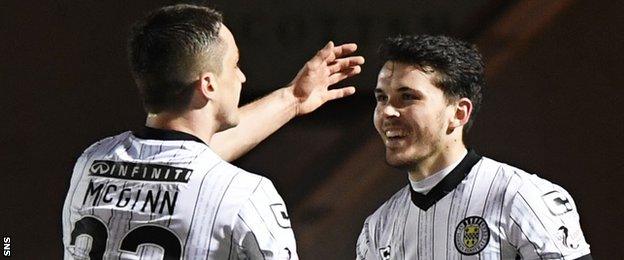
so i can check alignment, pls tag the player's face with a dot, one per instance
(412, 115)
(229, 82)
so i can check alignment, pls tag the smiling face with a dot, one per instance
(412, 115)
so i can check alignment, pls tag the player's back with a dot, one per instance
(172, 198)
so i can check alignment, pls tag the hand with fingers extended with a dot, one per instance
(329, 66)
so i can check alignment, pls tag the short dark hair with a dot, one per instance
(457, 65)
(167, 46)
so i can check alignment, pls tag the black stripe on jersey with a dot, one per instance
(257, 186)
(433, 233)
(164, 134)
(169, 163)
(409, 208)
(214, 219)
(500, 216)
(375, 238)
(418, 239)
(231, 244)
(448, 184)
(490, 190)
(134, 204)
(263, 221)
(527, 237)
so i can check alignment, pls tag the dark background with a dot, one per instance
(553, 105)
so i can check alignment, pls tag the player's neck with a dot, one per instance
(188, 122)
(437, 162)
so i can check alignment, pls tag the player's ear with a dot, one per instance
(463, 110)
(207, 85)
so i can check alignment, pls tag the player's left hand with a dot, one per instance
(329, 66)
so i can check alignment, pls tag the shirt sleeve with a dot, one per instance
(67, 217)
(545, 222)
(363, 247)
(262, 229)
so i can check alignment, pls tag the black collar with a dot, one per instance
(446, 185)
(147, 132)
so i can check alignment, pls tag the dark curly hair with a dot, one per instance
(457, 65)
(169, 44)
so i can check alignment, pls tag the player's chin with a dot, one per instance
(398, 160)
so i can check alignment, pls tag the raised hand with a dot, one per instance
(329, 66)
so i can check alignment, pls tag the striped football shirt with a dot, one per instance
(482, 209)
(160, 194)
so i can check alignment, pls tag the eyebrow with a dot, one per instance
(405, 89)
(400, 89)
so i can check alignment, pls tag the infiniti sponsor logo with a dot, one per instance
(99, 167)
(139, 171)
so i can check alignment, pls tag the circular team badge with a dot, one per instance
(472, 235)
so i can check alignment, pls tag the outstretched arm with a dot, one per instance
(308, 91)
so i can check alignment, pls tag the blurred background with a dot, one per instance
(553, 105)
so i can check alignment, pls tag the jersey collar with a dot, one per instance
(446, 185)
(164, 134)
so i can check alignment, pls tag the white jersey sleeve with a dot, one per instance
(545, 222)
(262, 229)
(81, 165)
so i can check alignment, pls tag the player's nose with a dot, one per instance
(390, 111)
(241, 76)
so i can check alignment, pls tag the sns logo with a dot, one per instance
(7, 246)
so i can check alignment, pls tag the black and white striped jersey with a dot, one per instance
(158, 194)
(482, 209)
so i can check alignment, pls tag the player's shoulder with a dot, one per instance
(514, 178)
(106, 143)
(530, 182)
(388, 209)
(242, 176)
(530, 186)
(245, 183)
(536, 189)
(492, 168)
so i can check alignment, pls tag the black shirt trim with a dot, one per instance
(446, 185)
(164, 134)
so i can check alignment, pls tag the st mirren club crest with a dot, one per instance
(472, 235)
